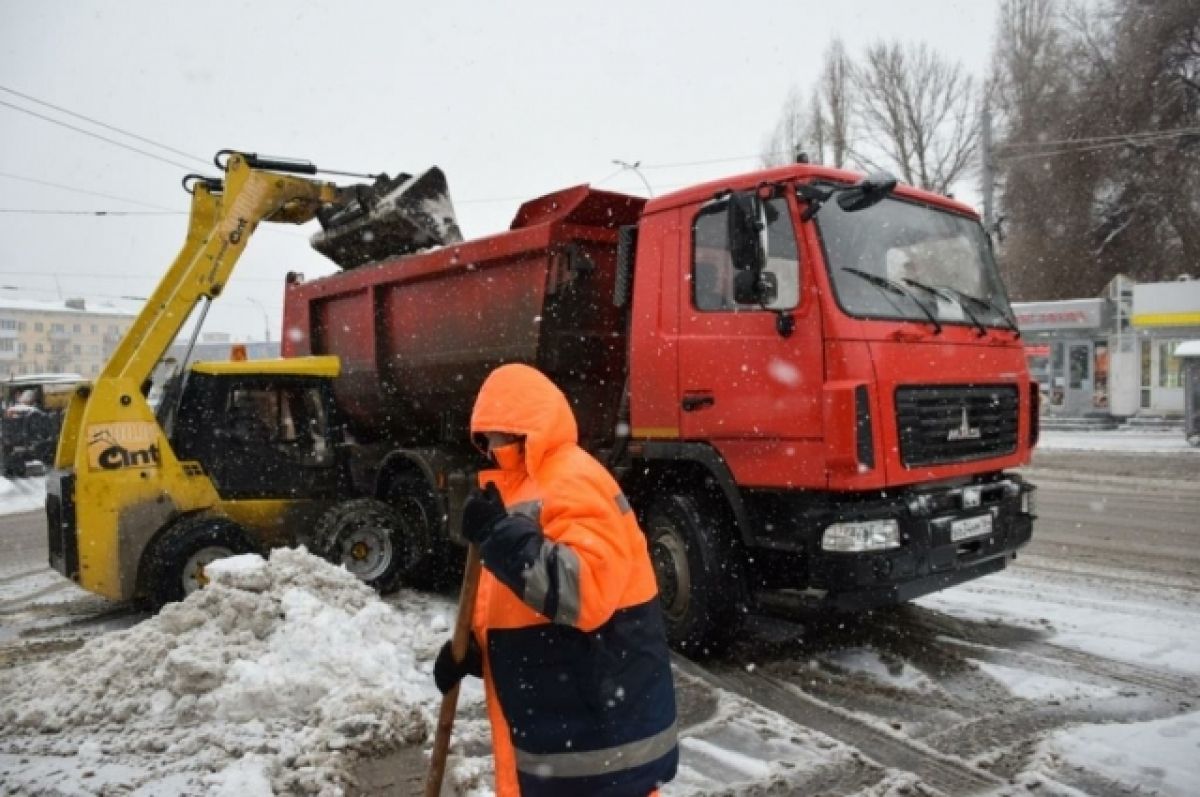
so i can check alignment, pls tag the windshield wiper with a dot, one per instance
(959, 298)
(883, 283)
(978, 301)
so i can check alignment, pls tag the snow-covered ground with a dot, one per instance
(278, 678)
(1127, 441)
(283, 676)
(21, 495)
(289, 677)
(1151, 627)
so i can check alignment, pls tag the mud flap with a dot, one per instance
(394, 216)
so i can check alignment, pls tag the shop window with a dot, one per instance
(1169, 366)
(1057, 383)
(1145, 403)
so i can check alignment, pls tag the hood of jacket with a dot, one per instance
(519, 399)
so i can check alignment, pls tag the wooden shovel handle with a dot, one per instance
(458, 646)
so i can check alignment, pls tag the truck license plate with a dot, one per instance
(970, 527)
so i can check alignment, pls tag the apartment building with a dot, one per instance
(67, 336)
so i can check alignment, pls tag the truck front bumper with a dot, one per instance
(940, 544)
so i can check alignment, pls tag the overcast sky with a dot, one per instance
(511, 100)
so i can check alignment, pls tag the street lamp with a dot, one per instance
(633, 167)
(266, 318)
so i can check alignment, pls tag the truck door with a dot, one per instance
(743, 383)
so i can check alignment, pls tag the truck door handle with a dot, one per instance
(696, 401)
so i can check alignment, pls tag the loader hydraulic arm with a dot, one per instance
(223, 217)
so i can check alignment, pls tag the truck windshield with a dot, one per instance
(941, 260)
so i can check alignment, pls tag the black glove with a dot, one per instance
(447, 672)
(482, 511)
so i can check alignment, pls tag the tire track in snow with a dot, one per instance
(945, 773)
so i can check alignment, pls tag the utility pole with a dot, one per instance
(266, 318)
(989, 174)
(633, 167)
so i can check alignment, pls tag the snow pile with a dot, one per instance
(21, 495)
(277, 676)
(1159, 756)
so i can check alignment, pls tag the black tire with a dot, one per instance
(430, 562)
(367, 538)
(698, 572)
(173, 565)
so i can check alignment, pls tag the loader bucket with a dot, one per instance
(395, 216)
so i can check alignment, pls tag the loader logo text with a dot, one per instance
(129, 444)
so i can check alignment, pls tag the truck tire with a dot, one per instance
(698, 575)
(366, 537)
(173, 564)
(427, 564)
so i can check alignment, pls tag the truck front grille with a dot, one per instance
(939, 424)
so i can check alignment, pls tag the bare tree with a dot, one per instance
(1100, 151)
(830, 131)
(919, 113)
(821, 130)
(790, 135)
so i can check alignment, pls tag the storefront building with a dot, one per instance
(1113, 355)
(1165, 314)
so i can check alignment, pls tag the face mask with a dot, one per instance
(509, 457)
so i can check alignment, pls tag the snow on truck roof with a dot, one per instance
(795, 171)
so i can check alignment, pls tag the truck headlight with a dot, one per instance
(1028, 503)
(866, 535)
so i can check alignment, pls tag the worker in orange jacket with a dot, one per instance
(567, 630)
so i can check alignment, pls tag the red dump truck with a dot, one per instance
(809, 384)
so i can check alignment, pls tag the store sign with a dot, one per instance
(1075, 314)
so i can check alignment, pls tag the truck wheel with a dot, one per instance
(174, 563)
(425, 565)
(697, 575)
(367, 538)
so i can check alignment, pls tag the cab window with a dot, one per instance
(712, 264)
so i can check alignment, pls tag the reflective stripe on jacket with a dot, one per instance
(577, 669)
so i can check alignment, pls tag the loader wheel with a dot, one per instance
(427, 562)
(697, 573)
(174, 563)
(367, 538)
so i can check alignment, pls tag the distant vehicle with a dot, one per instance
(33, 411)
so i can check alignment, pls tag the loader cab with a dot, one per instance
(263, 429)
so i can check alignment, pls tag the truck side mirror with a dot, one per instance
(751, 287)
(745, 225)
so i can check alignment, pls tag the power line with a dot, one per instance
(54, 121)
(1119, 138)
(73, 189)
(47, 212)
(98, 123)
(1076, 150)
(110, 275)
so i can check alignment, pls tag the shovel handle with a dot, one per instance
(458, 646)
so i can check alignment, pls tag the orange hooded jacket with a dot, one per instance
(576, 666)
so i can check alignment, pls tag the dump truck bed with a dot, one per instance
(417, 334)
